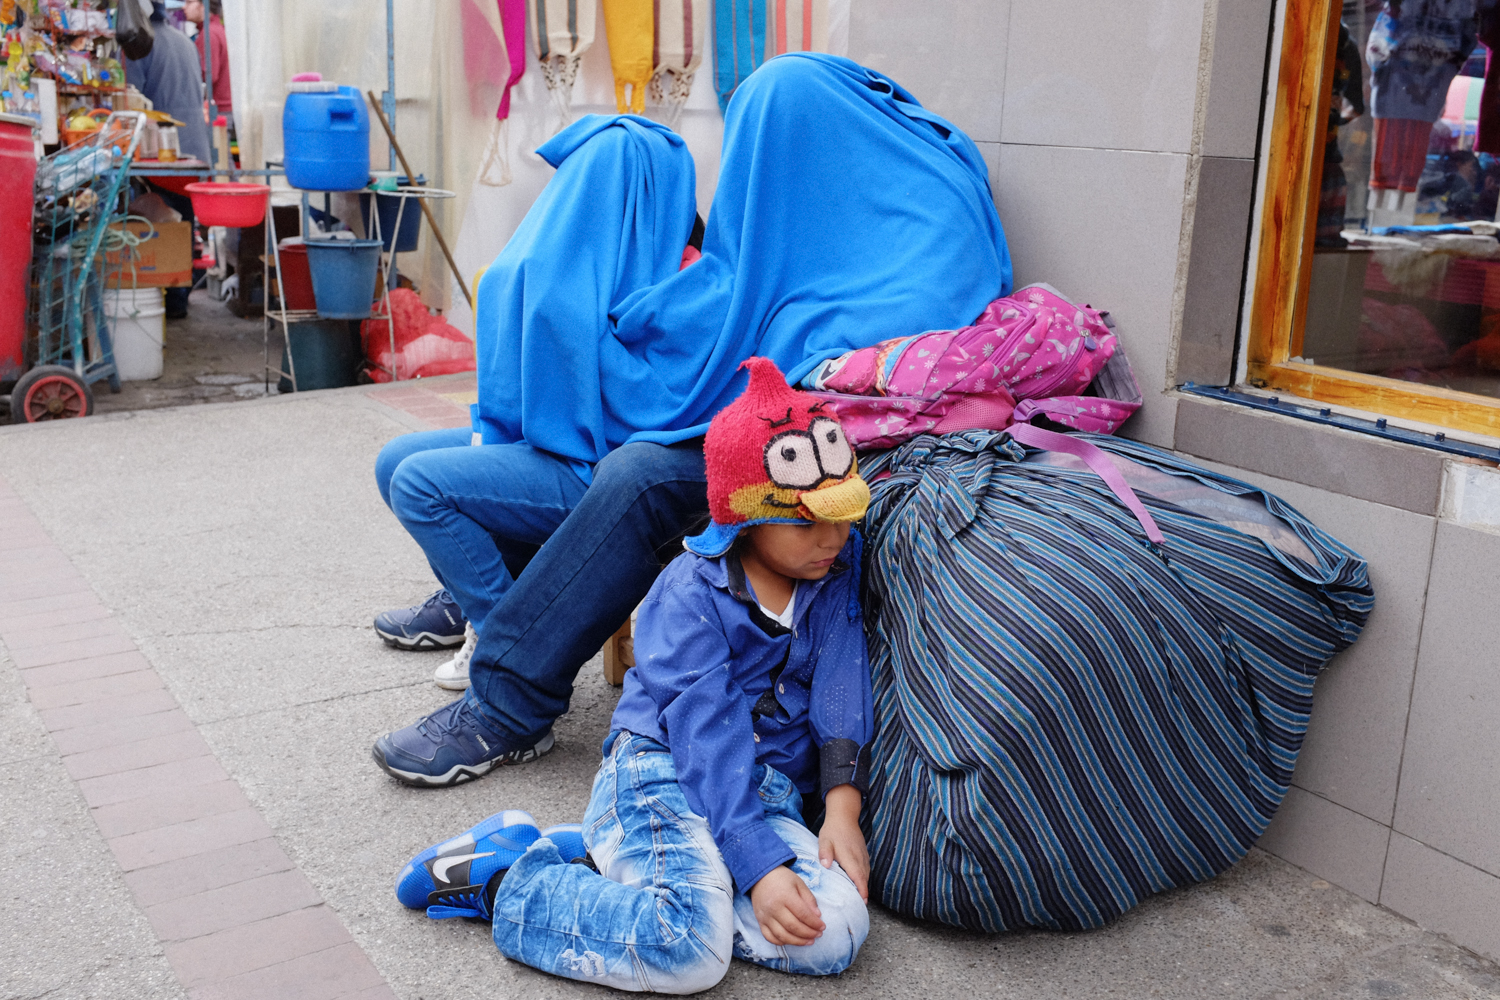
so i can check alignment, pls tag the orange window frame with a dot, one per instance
(1284, 255)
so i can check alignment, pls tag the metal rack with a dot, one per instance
(388, 272)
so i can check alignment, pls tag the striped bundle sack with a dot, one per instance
(1070, 717)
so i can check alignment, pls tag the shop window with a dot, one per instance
(1378, 269)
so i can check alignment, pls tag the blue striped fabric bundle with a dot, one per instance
(1068, 719)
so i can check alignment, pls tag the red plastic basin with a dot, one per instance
(222, 203)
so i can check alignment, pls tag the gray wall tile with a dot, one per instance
(1330, 841)
(1340, 461)
(1352, 755)
(950, 54)
(1443, 895)
(1104, 227)
(1215, 277)
(1236, 76)
(1098, 73)
(1450, 797)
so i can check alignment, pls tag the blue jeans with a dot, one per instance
(470, 508)
(578, 587)
(662, 913)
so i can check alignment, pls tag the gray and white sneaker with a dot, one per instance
(453, 675)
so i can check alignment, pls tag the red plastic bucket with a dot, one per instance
(296, 279)
(221, 203)
(18, 166)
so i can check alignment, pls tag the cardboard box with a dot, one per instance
(164, 260)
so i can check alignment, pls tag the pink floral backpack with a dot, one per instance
(1030, 354)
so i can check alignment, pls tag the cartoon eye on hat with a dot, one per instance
(804, 460)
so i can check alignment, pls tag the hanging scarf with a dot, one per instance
(845, 214)
(630, 26)
(562, 31)
(748, 32)
(495, 170)
(513, 19)
(680, 29)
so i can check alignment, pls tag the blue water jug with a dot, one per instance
(325, 136)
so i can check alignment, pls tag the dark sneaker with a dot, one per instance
(458, 877)
(451, 745)
(436, 623)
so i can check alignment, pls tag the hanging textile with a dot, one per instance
(681, 26)
(630, 26)
(562, 31)
(822, 160)
(495, 172)
(513, 21)
(1069, 717)
(748, 32)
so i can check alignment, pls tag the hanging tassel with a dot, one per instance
(561, 31)
(681, 30)
(496, 169)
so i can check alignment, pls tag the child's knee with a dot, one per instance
(704, 967)
(846, 921)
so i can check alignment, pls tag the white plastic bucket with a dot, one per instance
(137, 323)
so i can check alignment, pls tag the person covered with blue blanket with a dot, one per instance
(749, 709)
(845, 214)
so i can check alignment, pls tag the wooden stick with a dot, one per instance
(410, 178)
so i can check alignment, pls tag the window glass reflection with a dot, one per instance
(1406, 263)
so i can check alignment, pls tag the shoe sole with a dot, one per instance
(460, 773)
(422, 640)
(452, 683)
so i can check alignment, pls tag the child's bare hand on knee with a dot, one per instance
(786, 909)
(842, 840)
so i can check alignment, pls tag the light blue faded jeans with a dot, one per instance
(662, 914)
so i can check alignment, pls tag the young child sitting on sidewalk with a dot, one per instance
(751, 692)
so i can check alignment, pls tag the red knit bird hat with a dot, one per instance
(775, 456)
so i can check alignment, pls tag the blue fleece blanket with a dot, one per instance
(845, 215)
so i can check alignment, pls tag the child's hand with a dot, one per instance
(785, 908)
(841, 839)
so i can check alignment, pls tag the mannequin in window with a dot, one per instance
(1415, 50)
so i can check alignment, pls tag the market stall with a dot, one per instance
(483, 82)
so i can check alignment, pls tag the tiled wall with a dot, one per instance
(1122, 140)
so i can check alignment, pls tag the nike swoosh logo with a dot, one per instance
(441, 865)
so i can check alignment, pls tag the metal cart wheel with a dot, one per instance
(50, 392)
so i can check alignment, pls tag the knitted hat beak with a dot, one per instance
(845, 500)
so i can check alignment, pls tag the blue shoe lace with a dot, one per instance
(469, 904)
(447, 719)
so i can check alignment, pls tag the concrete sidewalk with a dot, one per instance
(190, 686)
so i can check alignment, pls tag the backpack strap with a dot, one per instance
(1096, 459)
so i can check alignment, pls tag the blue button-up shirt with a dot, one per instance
(727, 688)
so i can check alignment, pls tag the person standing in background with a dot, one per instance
(171, 78)
(223, 97)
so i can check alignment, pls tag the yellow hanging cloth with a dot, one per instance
(631, 28)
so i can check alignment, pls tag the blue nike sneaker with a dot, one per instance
(569, 840)
(451, 745)
(436, 623)
(458, 877)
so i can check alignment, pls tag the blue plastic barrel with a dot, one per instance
(325, 135)
(343, 276)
